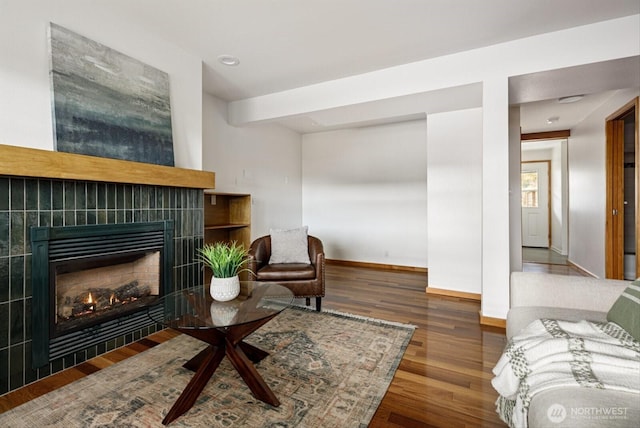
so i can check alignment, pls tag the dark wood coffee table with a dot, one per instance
(223, 325)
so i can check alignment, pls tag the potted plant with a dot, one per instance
(225, 261)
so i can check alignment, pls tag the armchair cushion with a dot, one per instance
(289, 246)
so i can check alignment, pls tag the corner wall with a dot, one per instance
(263, 160)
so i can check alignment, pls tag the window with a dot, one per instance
(529, 183)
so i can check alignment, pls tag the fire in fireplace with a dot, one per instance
(94, 283)
(89, 291)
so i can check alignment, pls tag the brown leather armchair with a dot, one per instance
(305, 280)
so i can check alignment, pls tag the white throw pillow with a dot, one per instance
(289, 246)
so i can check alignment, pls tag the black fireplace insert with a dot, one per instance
(93, 283)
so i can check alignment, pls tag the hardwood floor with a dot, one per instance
(543, 255)
(568, 269)
(444, 378)
(442, 381)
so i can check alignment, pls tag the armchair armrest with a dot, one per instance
(258, 254)
(316, 251)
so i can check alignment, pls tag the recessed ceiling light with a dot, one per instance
(229, 60)
(570, 99)
(553, 119)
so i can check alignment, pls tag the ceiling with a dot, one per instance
(538, 93)
(285, 44)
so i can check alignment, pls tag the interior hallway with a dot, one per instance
(548, 261)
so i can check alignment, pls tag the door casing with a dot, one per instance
(614, 216)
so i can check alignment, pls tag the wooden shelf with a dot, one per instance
(226, 226)
(25, 162)
(227, 217)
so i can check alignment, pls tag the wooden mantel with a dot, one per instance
(26, 162)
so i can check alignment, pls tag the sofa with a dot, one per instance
(573, 300)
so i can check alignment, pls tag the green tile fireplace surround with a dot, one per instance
(27, 201)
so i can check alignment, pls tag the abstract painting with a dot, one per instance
(106, 103)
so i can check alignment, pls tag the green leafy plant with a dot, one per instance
(224, 259)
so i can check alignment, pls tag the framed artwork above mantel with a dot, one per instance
(108, 104)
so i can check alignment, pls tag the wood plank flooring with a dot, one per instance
(443, 379)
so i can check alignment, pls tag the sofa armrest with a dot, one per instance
(564, 291)
(521, 316)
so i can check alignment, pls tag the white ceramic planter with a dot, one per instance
(225, 289)
(222, 314)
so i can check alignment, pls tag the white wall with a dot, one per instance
(587, 179)
(515, 203)
(454, 200)
(365, 192)
(561, 197)
(492, 66)
(263, 160)
(25, 95)
(499, 130)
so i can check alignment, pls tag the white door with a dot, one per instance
(535, 204)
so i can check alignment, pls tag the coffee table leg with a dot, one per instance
(250, 375)
(197, 383)
(195, 363)
(253, 353)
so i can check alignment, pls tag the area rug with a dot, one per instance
(327, 369)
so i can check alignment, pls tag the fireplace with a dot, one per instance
(90, 290)
(95, 282)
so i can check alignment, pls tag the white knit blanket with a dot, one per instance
(552, 354)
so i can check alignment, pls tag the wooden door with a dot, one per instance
(614, 255)
(615, 183)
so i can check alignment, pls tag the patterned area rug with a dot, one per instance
(327, 369)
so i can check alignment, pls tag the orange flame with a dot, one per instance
(90, 299)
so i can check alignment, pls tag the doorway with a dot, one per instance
(552, 246)
(535, 204)
(622, 182)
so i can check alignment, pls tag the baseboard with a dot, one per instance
(581, 269)
(558, 250)
(493, 322)
(376, 266)
(453, 293)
